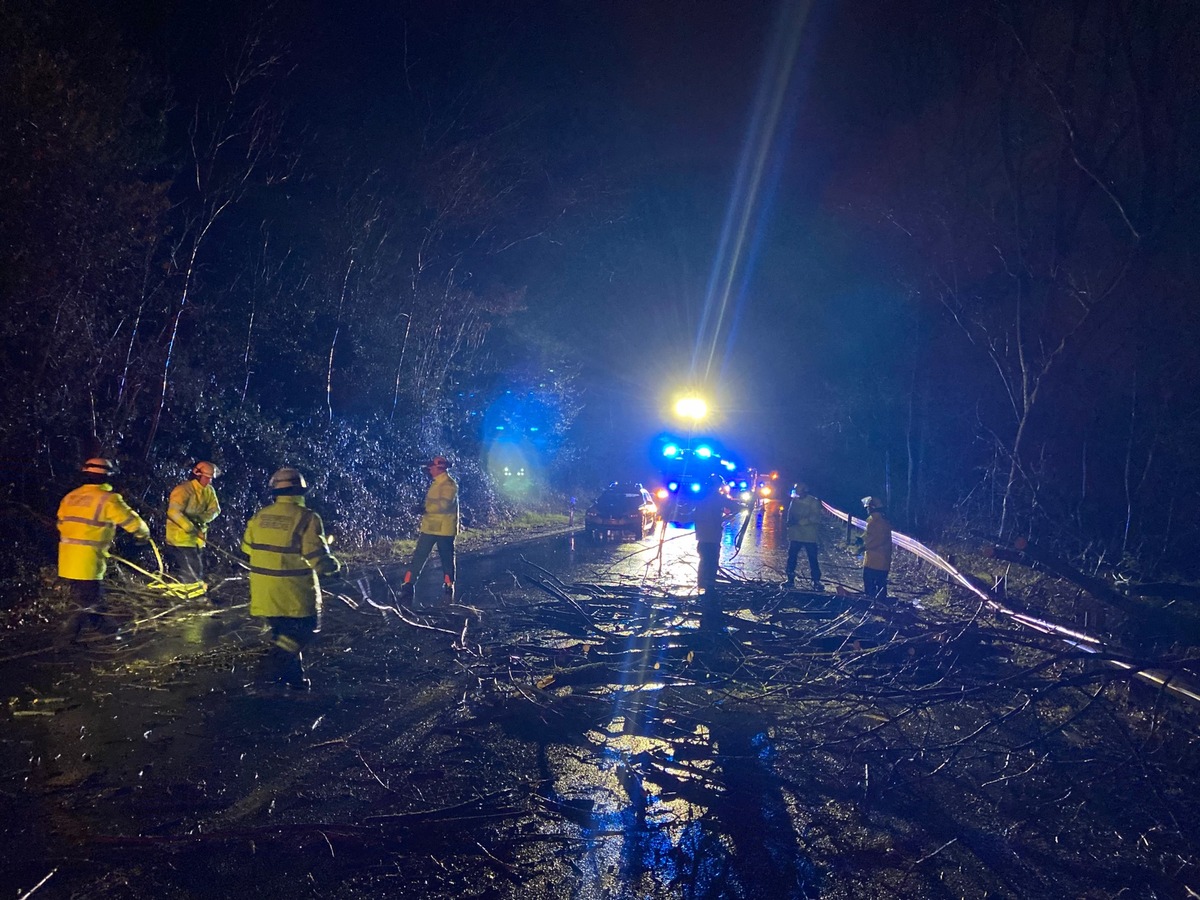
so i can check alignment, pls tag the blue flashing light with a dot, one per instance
(695, 487)
(672, 485)
(533, 428)
(499, 427)
(728, 465)
(670, 450)
(704, 452)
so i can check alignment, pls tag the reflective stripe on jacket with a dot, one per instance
(189, 511)
(288, 550)
(441, 507)
(877, 543)
(88, 519)
(803, 519)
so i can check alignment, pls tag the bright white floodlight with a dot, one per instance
(691, 408)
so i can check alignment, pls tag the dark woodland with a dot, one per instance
(344, 241)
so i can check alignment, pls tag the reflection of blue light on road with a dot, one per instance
(642, 832)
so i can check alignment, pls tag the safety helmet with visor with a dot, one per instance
(287, 478)
(97, 465)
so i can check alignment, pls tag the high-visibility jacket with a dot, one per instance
(88, 519)
(441, 507)
(287, 548)
(190, 509)
(804, 519)
(877, 542)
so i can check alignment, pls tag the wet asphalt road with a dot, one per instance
(580, 724)
(120, 756)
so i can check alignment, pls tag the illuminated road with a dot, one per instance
(579, 724)
(668, 560)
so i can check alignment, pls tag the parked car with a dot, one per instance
(622, 507)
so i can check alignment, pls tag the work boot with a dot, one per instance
(448, 591)
(69, 636)
(819, 587)
(293, 674)
(406, 592)
(790, 583)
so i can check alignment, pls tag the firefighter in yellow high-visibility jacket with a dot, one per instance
(877, 547)
(88, 519)
(439, 526)
(803, 531)
(288, 553)
(190, 510)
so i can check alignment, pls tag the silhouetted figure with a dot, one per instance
(710, 528)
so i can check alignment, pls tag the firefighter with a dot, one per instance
(288, 553)
(803, 520)
(191, 509)
(88, 518)
(439, 526)
(877, 549)
(710, 528)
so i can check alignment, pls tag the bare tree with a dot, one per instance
(229, 146)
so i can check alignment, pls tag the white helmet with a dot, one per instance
(287, 478)
(206, 469)
(872, 502)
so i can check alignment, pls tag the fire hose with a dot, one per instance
(1078, 640)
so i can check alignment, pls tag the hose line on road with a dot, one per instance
(1074, 638)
